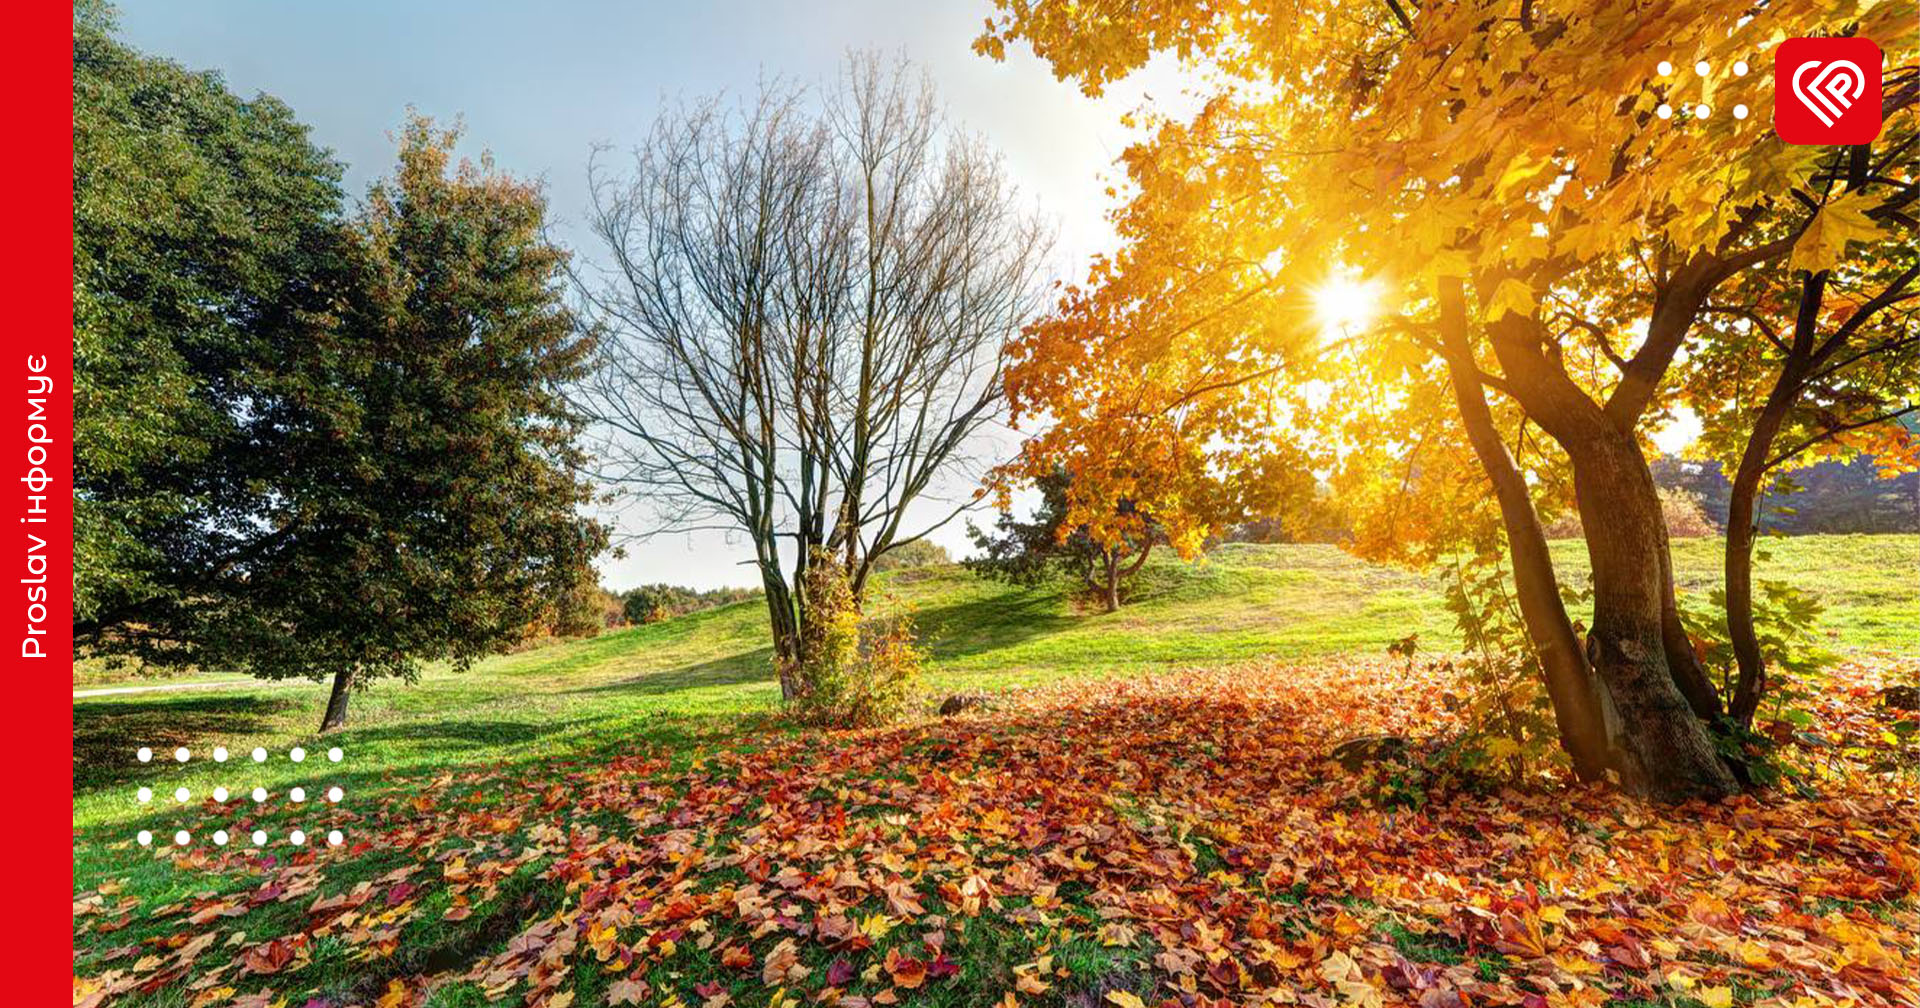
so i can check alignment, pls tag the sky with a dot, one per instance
(539, 85)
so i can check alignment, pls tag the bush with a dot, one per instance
(918, 553)
(1685, 515)
(583, 610)
(851, 673)
(1686, 518)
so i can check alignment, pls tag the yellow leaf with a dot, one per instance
(876, 926)
(1521, 170)
(1824, 243)
(1716, 997)
(1449, 262)
(1125, 999)
(1511, 296)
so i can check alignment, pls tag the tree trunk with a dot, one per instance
(786, 636)
(1682, 661)
(1113, 582)
(1661, 748)
(1752, 679)
(1665, 750)
(1743, 500)
(1742, 527)
(336, 715)
(1576, 702)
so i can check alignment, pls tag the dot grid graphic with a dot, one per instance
(1676, 80)
(331, 795)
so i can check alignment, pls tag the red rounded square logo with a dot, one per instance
(1826, 91)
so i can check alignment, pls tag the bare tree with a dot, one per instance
(803, 315)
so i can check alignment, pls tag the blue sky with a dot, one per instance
(539, 84)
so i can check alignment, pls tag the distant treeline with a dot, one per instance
(1831, 497)
(588, 608)
(1825, 498)
(655, 602)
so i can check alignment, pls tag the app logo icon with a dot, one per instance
(1826, 91)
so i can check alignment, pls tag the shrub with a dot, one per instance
(583, 610)
(1686, 517)
(851, 673)
(918, 553)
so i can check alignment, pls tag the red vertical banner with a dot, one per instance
(36, 373)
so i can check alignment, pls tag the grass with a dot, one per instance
(693, 686)
(686, 683)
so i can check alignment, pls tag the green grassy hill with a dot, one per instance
(696, 678)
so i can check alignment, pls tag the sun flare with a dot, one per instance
(1347, 303)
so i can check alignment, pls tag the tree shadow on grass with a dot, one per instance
(733, 670)
(965, 629)
(453, 734)
(106, 734)
(950, 631)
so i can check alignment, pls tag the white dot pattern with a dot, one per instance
(1698, 110)
(260, 837)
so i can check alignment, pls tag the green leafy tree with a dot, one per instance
(434, 506)
(654, 602)
(308, 446)
(199, 221)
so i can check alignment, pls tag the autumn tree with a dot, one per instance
(436, 510)
(805, 308)
(1133, 445)
(1547, 235)
(1050, 544)
(1829, 348)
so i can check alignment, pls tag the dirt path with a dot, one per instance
(170, 687)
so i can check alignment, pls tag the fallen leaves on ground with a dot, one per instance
(1175, 840)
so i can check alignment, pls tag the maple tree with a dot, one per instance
(433, 472)
(1546, 242)
(1136, 441)
(1029, 552)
